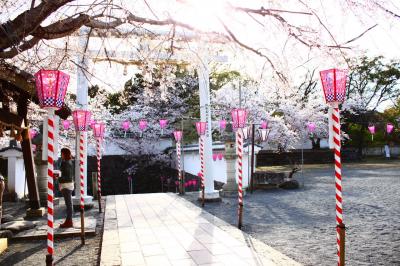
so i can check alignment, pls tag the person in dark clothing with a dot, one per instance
(66, 184)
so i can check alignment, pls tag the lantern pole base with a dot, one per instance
(49, 260)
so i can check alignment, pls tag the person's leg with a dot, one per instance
(68, 204)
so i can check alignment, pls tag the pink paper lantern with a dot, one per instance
(264, 124)
(239, 117)
(81, 119)
(389, 128)
(201, 128)
(125, 125)
(99, 129)
(142, 124)
(220, 156)
(371, 129)
(163, 123)
(199, 174)
(222, 124)
(334, 85)
(32, 133)
(92, 123)
(51, 86)
(311, 127)
(66, 124)
(178, 135)
(215, 156)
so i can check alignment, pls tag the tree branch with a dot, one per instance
(247, 47)
(14, 31)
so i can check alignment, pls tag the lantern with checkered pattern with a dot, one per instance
(81, 119)
(334, 85)
(51, 86)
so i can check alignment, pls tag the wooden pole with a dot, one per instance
(341, 228)
(34, 202)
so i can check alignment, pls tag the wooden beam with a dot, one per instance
(34, 201)
(17, 77)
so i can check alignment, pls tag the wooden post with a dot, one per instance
(341, 228)
(34, 201)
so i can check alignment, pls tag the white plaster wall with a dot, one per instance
(191, 164)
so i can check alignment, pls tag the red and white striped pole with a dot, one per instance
(239, 146)
(82, 184)
(178, 157)
(202, 168)
(50, 187)
(98, 141)
(338, 180)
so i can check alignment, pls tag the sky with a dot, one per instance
(291, 57)
(294, 58)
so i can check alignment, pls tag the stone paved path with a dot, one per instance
(164, 229)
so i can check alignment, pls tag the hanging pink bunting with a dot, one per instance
(125, 125)
(66, 124)
(163, 124)
(311, 127)
(92, 122)
(389, 128)
(222, 124)
(264, 124)
(371, 129)
(142, 124)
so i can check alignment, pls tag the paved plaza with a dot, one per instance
(164, 229)
(301, 223)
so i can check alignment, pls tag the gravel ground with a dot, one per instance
(67, 251)
(301, 223)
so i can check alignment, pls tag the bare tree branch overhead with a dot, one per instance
(27, 25)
